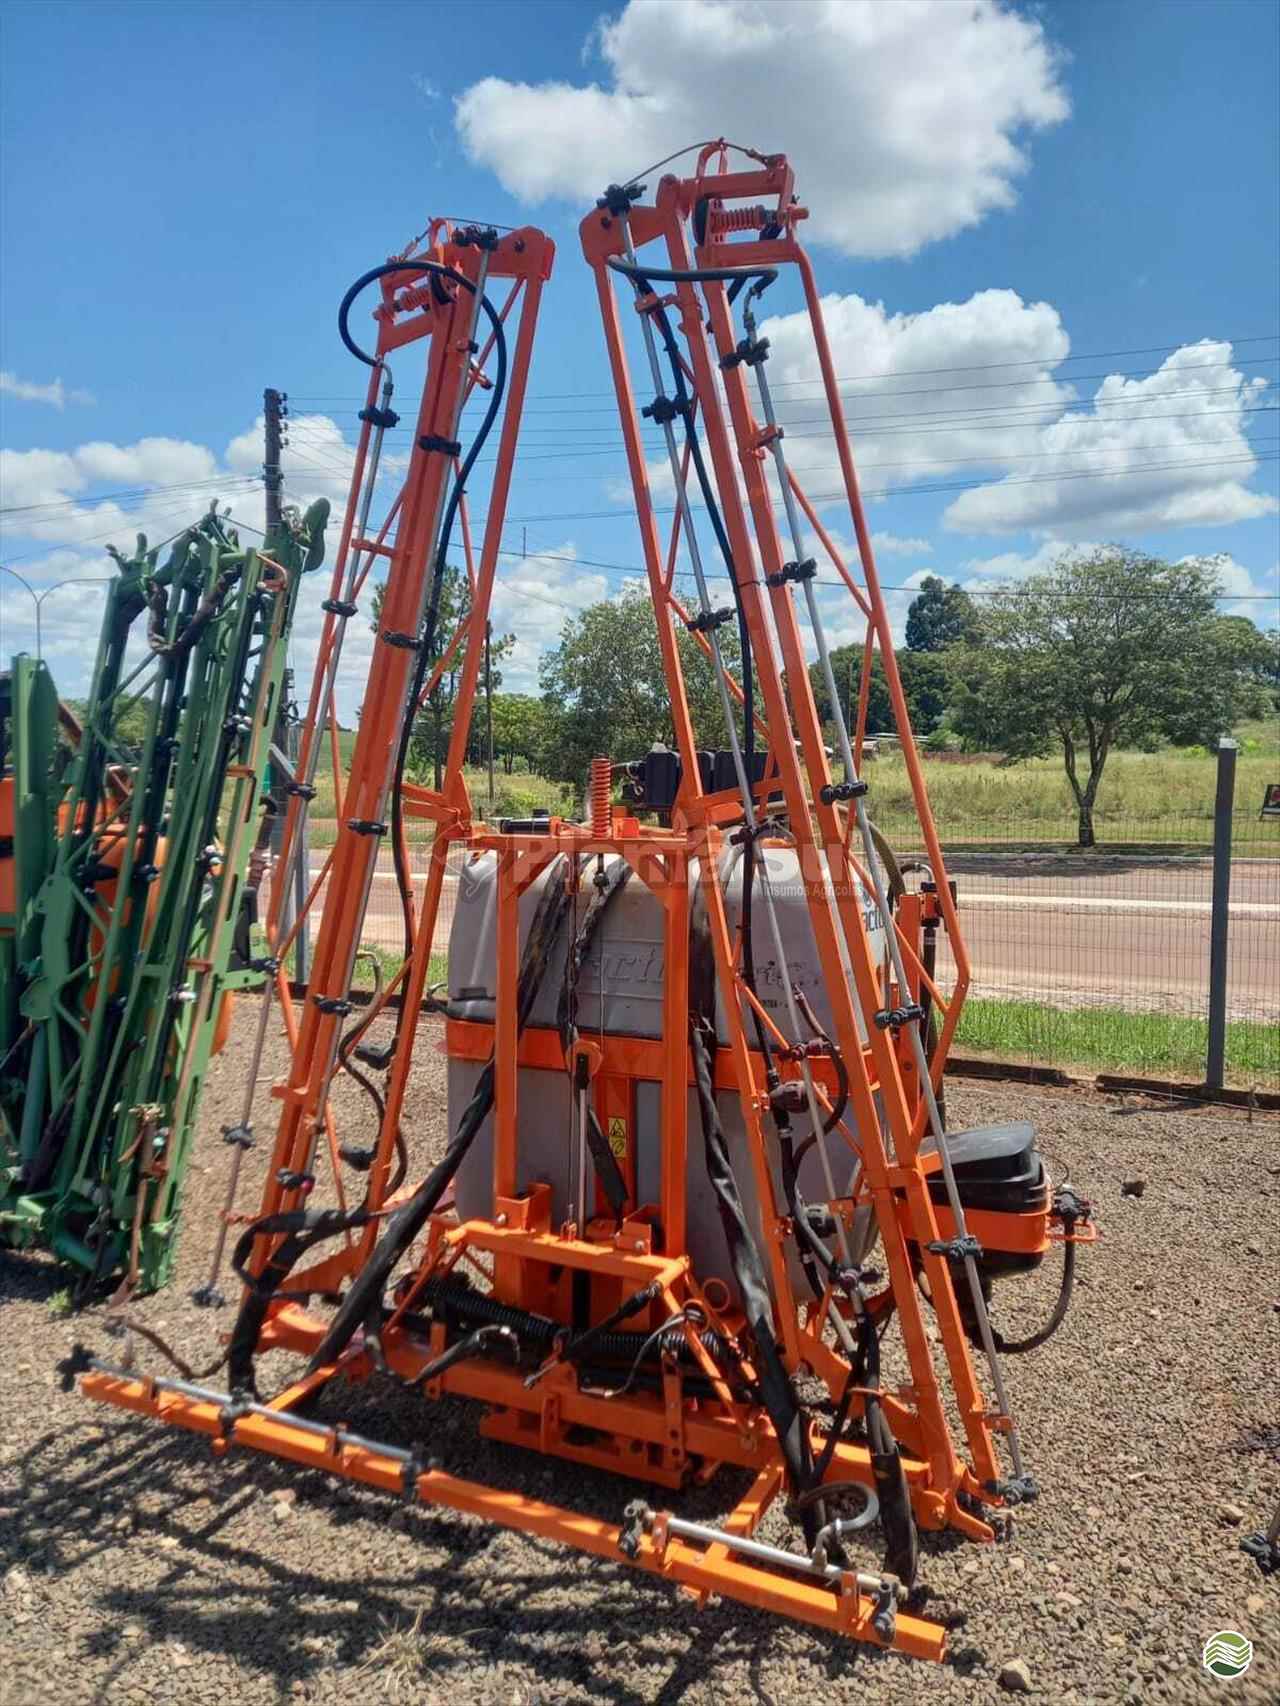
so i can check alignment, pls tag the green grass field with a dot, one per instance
(1108, 1039)
(1161, 799)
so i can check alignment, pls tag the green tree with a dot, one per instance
(519, 728)
(925, 683)
(1114, 649)
(940, 616)
(429, 743)
(605, 691)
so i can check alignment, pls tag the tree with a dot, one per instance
(925, 684)
(519, 728)
(429, 742)
(605, 692)
(940, 616)
(1113, 649)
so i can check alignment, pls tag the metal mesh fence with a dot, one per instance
(1094, 959)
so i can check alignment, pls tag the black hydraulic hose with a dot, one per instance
(685, 404)
(641, 278)
(837, 1060)
(302, 1229)
(693, 275)
(428, 641)
(439, 271)
(365, 1294)
(1015, 1347)
(345, 1048)
(455, 1300)
(608, 1172)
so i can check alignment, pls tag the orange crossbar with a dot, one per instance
(845, 1613)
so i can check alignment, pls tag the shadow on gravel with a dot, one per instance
(30, 1277)
(167, 1540)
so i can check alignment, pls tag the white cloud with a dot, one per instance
(889, 544)
(47, 492)
(976, 391)
(156, 486)
(959, 385)
(1017, 565)
(29, 391)
(904, 121)
(1243, 592)
(174, 481)
(533, 599)
(1168, 450)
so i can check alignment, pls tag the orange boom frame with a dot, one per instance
(719, 1386)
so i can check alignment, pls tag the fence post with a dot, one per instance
(1222, 810)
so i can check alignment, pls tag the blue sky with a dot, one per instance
(1064, 217)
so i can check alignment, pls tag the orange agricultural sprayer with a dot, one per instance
(698, 1210)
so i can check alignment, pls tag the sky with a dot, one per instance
(1047, 237)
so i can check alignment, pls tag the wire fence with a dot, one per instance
(1095, 960)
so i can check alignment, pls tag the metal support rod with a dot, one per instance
(885, 909)
(704, 1534)
(488, 698)
(685, 512)
(360, 902)
(1224, 801)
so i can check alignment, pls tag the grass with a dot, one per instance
(1163, 797)
(1113, 1039)
(517, 795)
(389, 965)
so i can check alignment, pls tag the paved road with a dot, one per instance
(1128, 931)
(1071, 929)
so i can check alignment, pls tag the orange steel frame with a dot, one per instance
(660, 1436)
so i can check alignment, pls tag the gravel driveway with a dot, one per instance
(138, 1569)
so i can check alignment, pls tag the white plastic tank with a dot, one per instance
(620, 989)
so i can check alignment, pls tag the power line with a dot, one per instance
(623, 513)
(911, 372)
(575, 452)
(921, 491)
(638, 570)
(131, 492)
(925, 423)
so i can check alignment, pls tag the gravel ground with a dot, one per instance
(136, 1568)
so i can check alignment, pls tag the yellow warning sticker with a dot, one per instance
(618, 1137)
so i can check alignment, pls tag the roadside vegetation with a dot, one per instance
(1111, 1039)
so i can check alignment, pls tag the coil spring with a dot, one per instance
(601, 795)
(725, 220)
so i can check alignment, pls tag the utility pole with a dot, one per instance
(1220, 914)
(488, 701)
(275, 406)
